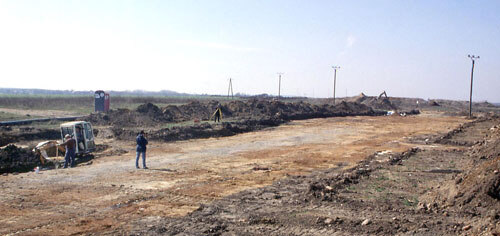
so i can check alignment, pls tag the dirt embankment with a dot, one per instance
(476, 191)
(151, 115)
(21, 158)
(16, 159)
(10, 135)
(243, 117)
(407, 105)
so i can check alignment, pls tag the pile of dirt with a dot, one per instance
(450, 107)
(16, 159)
(382, 103)
(200, 130)
(481, 185)
(148, 108)
(295, 111)
(11, 135)
(151, 115)
(246, 116)
(476, 191)
(122, 117)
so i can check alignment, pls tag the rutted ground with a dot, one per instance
(109, 194)
(430, 189)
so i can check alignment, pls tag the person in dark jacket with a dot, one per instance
(141, 148)
(69, 157)
(218, 113)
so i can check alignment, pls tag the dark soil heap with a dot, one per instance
(151, 115)
(244, 117)
(17, 134)
(15, 159)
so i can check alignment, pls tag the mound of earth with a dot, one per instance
(151, 115)
(477, 190)
(148, 108)
(382, 103)
(481, 185)
(201, 130)
(17, 134)
(16, 159)
(246, 116)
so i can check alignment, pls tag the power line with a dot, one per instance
(473, 58)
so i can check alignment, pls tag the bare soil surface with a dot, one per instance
(430, 189)
(278, 181)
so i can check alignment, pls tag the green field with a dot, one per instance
(10, 116)
(82, 105)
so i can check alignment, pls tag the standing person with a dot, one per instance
(141, 148)
(69, 157)
(218, 113)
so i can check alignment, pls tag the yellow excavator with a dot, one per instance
(81, 131)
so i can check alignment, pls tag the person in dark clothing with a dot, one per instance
(141, 148)
(218, 113)
(79, 138)
(69, 157)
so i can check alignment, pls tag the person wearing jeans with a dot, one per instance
(141, 149)
(69, 157)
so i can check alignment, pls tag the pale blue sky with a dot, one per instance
(407, 48)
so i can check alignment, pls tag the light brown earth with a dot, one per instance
(108, 194)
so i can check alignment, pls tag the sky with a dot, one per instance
(406, 48)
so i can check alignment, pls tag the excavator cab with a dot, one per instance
(82, 132)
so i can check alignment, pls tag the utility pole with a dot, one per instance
(230, 89)
(279, 84)
(473, 58)
(334, 81)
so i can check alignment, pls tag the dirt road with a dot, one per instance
(110, 193)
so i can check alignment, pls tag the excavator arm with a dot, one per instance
(383, 93)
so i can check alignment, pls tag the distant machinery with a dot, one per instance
(383, 93)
